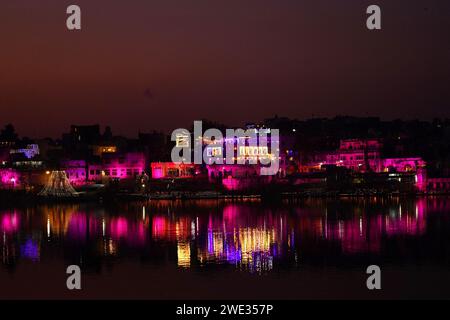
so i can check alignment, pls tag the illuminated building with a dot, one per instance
(100, 150)
(75, 171)
(401, 164)
(30, 151)
(163, 170)
(357, 154)
(118, 166)
(9, 178)
(438, 185)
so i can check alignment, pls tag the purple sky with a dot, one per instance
(142, 65)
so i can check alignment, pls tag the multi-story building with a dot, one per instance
(118, 166)
(164, 170)
(75, 171)
(357, 154)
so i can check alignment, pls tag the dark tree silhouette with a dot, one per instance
(8, 133)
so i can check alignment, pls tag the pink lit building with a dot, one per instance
(75, 171)
(365, 155)
(9, 179)
(438, 185)
(237, 177)
(356, 154)
(163, 170)
(361, 155)
(123, 166)
(401, 164)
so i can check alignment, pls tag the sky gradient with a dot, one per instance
(143, 65)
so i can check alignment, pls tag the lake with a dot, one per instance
(219, 249)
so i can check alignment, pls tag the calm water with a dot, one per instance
(220, 249)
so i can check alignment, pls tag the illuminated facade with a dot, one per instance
(236, 177)
(75, 171)
(356, 154)
(165, 170)
(29, 152)
(9, 179)
(244, 149)
(359, 155)
(100, 150)
(118, 166)
(438, 185)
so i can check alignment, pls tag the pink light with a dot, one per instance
(10, 222)
(159, 227)
(157, 173)
(78, 226)
(119, 227)
(230, 183)
(8, 177)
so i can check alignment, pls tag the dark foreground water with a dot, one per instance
(217, 249)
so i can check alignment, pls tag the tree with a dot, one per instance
(8, 133)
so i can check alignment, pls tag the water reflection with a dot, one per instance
(246, 236)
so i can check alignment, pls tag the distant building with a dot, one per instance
(165, 170)
(75, 171)
(30, 151)
(100, 150)
(118, 166)
(9, 178)
(364, 155)
(237, 177)
(357, 154)
(401, 164)
(438, 185)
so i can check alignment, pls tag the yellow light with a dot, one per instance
(184, 254)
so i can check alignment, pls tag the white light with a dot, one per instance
(48, 227)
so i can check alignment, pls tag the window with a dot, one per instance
(214, 151)
(182, 140)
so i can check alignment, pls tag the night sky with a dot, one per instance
(144, 64)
